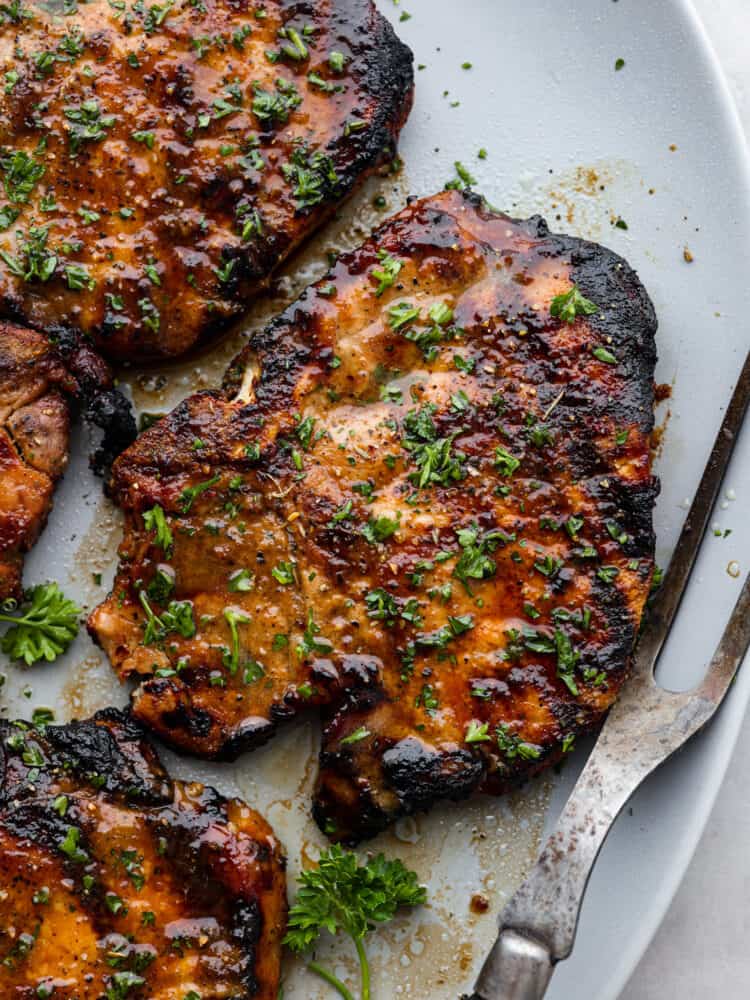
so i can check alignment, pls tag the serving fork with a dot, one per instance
(647, 725)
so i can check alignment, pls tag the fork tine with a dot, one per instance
(730, 652)
(667, 600)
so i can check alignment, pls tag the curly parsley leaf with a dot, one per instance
(342, 895)
(45, 630)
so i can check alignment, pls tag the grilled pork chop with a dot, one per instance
(160, 160)
(34, 432)
(422, 502)
(37, 382)
(117, 882)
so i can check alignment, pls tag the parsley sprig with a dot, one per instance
(45, 630)
(342, 895)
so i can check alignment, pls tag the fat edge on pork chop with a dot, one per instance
(159, 161)
(421, 504)
(117, 881)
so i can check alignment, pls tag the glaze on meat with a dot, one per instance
(117, 882)
(422, 503)
(160, 160)
(38, 382)
(34, 433)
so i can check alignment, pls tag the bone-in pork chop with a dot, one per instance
(117, 882)
(423, 502)
(160, 160)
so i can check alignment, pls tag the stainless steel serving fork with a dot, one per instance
(646, 725)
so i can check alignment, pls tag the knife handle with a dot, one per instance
(517, 968)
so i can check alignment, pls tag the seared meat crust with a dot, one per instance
(161, 160)
(37, 382)
(428, 511)
(116, 881)
(34, 432)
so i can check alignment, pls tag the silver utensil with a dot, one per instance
(648, 724)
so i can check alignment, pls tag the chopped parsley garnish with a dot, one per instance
(88, 124)
(380, 528)
(240, 581)
(549, 566)
(190, 494)
(337, 61)
(38, 263)
(161, 584)
(505, 463)
(433, 456)
(477, 732)
(78, 278)
(439, 638)
(475, 562)
(605, 356)
(343, 513)
(355, 737)
(69, 845)
(21, 173)
(144, 136)
(382, 606)
(312, 641)
(284, 573)
(312, 175)
(567, 660)
(402, 314)
(177, 617)
(427, 699)
(387, 273)
(462, 180)
(571, 304)
(304, 431)
(607, 574)
(511, 745)
(275, 108)
(231, 657)
(292, 45)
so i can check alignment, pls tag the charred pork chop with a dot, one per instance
(117, 882)
(423, 501)
(160, 160)
(34, 432)
(38, 380)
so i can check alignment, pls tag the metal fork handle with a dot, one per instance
(517, 968)
(538, 926)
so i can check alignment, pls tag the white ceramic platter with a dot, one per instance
(655, 144)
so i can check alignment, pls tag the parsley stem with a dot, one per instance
(332, 980)
(365, 967)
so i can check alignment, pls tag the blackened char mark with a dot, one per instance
(101, 403)
(415, 775)
(112, 745)
(183, 722)
(626, 320)
(247, 927)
